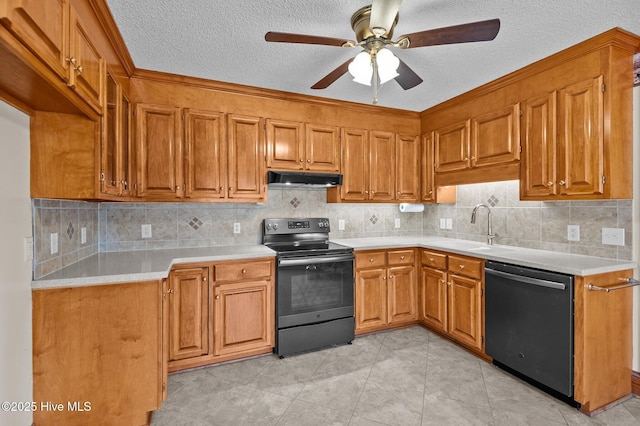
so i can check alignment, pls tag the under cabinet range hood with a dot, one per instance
(303, 179)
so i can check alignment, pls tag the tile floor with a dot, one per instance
(402, 377)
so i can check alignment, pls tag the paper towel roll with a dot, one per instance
(411, 208)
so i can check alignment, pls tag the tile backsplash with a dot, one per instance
(117, 226)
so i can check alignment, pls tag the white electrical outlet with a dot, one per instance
(340, 224)
(236, 228)
(397, 222)
(28, 249)
(443, 223)
(54, 243)
(83, 235)
(613, 236)
(573, 232)
(449, 224)
(145, 230)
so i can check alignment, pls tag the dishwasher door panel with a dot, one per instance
(529, 323)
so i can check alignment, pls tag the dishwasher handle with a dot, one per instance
(527, 280)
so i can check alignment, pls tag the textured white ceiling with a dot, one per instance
(224, 41)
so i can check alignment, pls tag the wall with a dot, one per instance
(15, 273)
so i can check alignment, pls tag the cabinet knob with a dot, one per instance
(371, 260)
(79, 69)
(430, 192)
(373, 192)
(301, 160)
(244, 271)
(401, 257)
(431, 259)
(449, 283)
(204, 278)
(217, 297)
(441, 281)
(390, 277)
(549, 184)
(308, 161)
(398, 192)
(461, 266)
(366, 192)
(71, 60)
(384, 278)
(473, 158)
(466, 159)
(561, 182)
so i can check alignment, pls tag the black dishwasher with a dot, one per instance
(529, 324)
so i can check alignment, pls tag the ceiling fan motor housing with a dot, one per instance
(360, 24)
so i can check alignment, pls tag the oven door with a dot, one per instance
(314, 289)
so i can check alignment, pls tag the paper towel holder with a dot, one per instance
(410, 208)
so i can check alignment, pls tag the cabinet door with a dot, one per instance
(465, 310)
(382, 174)
(245, 167)
(427, 187)
(580, 138)
(538, 165)
(433, 298)
(159, 151)
(188, 313)
(243, 317)
(496, 137)
(451, 145)
(87, 68)
(371, 298)
(355, 165)
(322, 150)
(43, 26)
(407, 168)
(401, 294)
(109, 175)
(204, 165)
(285, 145)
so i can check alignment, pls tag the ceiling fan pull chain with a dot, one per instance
(375, 79)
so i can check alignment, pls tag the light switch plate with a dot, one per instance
(54, 243)
(573, 232)
(613, 236)
(449, 224)
(83, 235)
(340, 224)
(146, 230)
(236, 228)
(28, 249)
(443, 223)
(397, 222)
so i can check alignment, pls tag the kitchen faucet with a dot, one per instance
(490, 235)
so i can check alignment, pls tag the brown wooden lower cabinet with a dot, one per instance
(97, 350)
(451, 291)
(220, 311)
(386, 289)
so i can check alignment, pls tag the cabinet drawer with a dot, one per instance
(242, 271)
(466, 266)
(434, 259)
(370, 259)
(401, 257)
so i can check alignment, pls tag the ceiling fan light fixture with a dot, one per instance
(388, 65)
(361, 68)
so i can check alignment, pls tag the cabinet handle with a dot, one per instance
(244, 271)
(561, 182)
(461, 266)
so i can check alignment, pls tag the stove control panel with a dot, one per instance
(296, 226)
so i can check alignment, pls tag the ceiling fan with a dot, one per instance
(373, 26)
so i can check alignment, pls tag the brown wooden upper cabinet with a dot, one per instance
(563, 142)
(115, 151)
(293, 145)
(379, 166)
(181, 153)
(488, 139)
(54, 32)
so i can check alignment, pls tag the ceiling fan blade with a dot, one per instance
(306, 39)
(332, 76)
(465, 33)
(407, 78)
(383, 14)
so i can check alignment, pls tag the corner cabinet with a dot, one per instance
(386, 289)
(181, 155)
(219, 312)
(451, 296)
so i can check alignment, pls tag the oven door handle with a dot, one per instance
(315, 260)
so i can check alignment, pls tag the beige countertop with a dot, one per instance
(573, 264)
(119, 267)
(144, 265)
